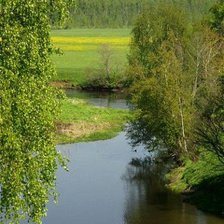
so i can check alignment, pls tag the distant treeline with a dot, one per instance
(122, 13)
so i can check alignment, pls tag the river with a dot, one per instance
(103, 187)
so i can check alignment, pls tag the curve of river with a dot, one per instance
(102, 187)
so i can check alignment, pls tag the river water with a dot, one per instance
(103, 187)
(101, 99)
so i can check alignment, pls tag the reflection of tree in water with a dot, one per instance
(139, 132)
(102, 98)
(148, 201)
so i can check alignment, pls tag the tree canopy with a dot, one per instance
(28, 106)
(175, 68)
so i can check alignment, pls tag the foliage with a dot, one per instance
(122, 13)
(210, 132)
(196, 173)
(28, 158)
(96, 79)
(175, 180)
(193, 173)
(217, 17)
(174, 71)
(206, 179)
(108, 75)
(201, 181)
(157, 51)
(176, 76)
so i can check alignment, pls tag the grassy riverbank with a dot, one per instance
(80, 121)
(81, 51)
(201, 182)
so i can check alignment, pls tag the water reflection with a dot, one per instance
(101, 99)
(93, 191)
(109, 182)
(148, 202)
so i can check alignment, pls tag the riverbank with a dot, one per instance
(79, 67)
(80, 121)
(201, 183)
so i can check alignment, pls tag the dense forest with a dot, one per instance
(122, 13)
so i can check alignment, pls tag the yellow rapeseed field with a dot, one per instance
(92, 40)
(89, 43)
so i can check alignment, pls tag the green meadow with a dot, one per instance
(80, 121)
(81, 49)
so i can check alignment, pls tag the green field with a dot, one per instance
(81, 51)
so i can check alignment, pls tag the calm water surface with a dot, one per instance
(102, 187)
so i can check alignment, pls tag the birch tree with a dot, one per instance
(28, 106)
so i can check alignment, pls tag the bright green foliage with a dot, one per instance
(192, 174)
(196, 173)
(205, 180)
(28, 106)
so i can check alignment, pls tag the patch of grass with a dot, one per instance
(175, 178)
(206, 179)
(206, 168)
(100, 135)
(80, 121)
(201, 181)
(81, 51)
(192, 174)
